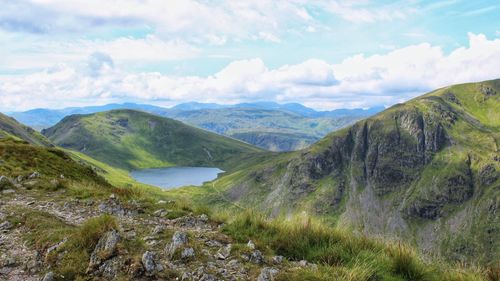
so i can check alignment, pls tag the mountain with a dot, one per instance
(269, 125)
(41, 118)
(60, 219)
(270, 129)
(133, 139)
(425, 171)
(9, 127)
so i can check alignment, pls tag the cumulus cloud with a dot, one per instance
(358, 81)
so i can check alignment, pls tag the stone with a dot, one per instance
(149, 263)
(224, 252)
(159, 229)
(187, 253)
(49, 276)
(257, 257)
(251, 245)
(34, 175)
(4, 182)
(8, 191)
(112, 207)
(178, 239)
(303, 263)
(110, 268)
(160, 202)
(4, 226)
(56, 246)
(213, 243)
(277, 259)
(267, 274)
(160, 213)
(105, 249)
(203, 218)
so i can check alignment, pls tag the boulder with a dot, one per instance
(224, 252)
(105, 249)
(187, 253)
(267, 274)
(49, 276)
(178, 239)
(150, 265)
(277, 259)
(257, 257)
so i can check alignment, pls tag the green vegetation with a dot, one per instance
(129, 140)
(10, 128)
(425, 171)
(273, 130)
(340, 254)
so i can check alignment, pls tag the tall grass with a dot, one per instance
(339, 254)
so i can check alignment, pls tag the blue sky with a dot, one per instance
(324, 54)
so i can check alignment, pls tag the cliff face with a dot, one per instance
(426, 171)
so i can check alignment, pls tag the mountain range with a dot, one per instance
(424, 172)
(269, 125)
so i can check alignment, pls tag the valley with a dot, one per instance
(424, 172)
(271, 126)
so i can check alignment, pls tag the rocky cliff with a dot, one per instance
(424, 171)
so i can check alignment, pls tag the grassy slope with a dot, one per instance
(9, 127)
(444, 205)
(339, 255)
(131, 139)
(270, 129)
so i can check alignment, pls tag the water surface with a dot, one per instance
(173, 177)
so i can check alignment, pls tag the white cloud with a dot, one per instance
(31, 53)
(357, 12)
(358, 81)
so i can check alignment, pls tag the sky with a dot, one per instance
(325, 54)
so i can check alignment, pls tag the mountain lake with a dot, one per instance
(174, 177)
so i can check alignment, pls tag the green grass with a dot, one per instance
(129, 139)
(340, 254)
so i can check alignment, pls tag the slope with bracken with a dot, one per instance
(425, 171)
(131, 139)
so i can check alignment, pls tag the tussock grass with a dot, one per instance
(340, 255)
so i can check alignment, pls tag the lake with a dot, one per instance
(173, 177)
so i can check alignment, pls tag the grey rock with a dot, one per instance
(110, 268)
(224, 252)
(159, 229)
(112, 207)
(257, 257)
(149, 263)
(208, 277)
(56, 246)
(187, 253)
(203, 218)
(213, 243)
(4, 226)
(278, 259)
(178, 239)
(49, 276)
(8, 191)
(105, 249)
(251, 245)
(34, 175)
(267, 274)
(303, 263)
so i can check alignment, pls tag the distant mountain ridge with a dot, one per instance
(272, 126)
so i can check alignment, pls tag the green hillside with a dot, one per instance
(425, 171)
(273, 130)
(62, 221)
(131, 139)
(9, 127)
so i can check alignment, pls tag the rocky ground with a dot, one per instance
(190, 247)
